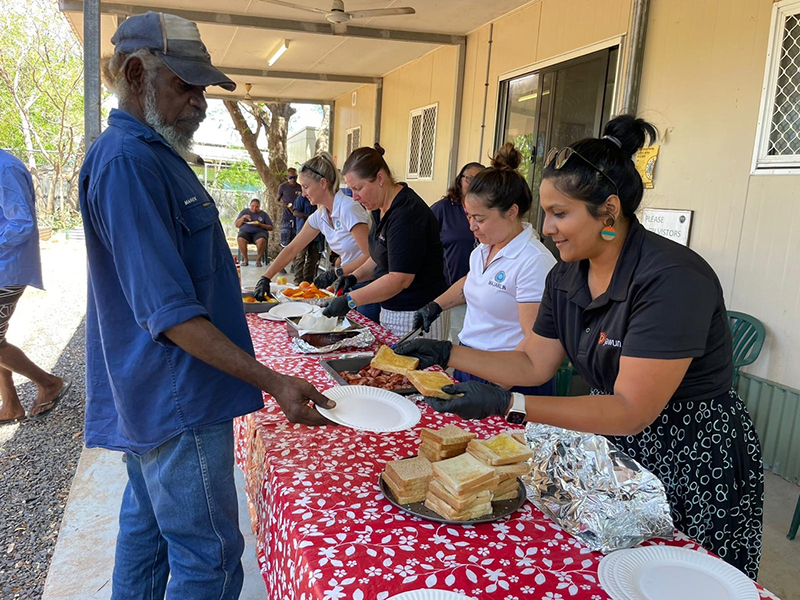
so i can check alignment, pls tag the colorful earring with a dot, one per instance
(608, 233)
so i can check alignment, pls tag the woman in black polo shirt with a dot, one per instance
(406, 264)
(644, 322)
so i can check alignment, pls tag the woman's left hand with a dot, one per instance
(477, 400)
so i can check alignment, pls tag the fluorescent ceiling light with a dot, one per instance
(532, 96)
(279, 52)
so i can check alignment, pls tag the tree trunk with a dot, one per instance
(323, 138)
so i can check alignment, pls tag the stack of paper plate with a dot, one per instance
(669, 573)
(370, 409)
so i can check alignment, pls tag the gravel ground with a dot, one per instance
(38, 457)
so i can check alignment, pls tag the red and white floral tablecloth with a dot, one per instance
(324, 531)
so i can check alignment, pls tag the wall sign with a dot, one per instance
(645, 160)
(675, 225)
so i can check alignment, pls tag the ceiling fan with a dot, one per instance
(338, 17)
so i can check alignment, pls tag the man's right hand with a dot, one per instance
(293, 396)
(247, 218)
(262, 291)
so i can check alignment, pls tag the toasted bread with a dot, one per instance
(410, 471)
(430, 383)
(506, 486)
(462, 474)
(518, 435)
(402, 496)
(449, 435)
(437, 505)
(435, 455)
(400, 488)
(506, 496)
(458, 503)
(387, 360)
(500, 450)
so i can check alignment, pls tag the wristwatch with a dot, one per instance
(350, 302)
(516, 414)
(339, 272)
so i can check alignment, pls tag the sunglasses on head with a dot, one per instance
(558, 158)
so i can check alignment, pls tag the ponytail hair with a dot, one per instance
(501, 186)
(366, 163)
(321, 166)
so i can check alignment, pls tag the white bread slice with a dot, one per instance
(458, 503)
(434, 455)
(387, 360)
(500, 450)
(506, 486)
(449, 435)
(437, 505)
(462, 473)
(404, 490)
(410, 471)
(506, 496)
(518, 435)
(430, 383)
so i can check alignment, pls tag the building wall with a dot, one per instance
(348, 116)
(301, 146)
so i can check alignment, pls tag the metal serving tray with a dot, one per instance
(335, 366)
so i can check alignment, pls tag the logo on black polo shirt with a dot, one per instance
(604, 340)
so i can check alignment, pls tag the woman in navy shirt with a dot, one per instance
(457, 237)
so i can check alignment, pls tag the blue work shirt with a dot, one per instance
(157, 257)
(457, 238)
(20, 263)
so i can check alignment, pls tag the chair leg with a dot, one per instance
(795, 522)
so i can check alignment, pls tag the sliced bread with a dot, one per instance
(463, 473)
(434, 454)
(500, 450)
(410, 471)
(387, 360)
(441, 507)
(449, 435)
(458, 503)
(430, 383)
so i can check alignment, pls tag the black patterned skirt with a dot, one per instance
(707, 455)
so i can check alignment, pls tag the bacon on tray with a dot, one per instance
(376, 378)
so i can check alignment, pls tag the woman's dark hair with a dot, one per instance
(612, 154)
(454, 193)
(501, 186)
(366, 163)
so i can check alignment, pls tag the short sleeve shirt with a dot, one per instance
(406, 240)
(337, 227)
(515, 276)
(260, 217)
(303, 205)
(157, 257)
(664, 301)
(287, 194)
(458, 240)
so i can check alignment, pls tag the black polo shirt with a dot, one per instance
(664, 301)
(406, 240)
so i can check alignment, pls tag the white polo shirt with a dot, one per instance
(516, 275)
(337, 227)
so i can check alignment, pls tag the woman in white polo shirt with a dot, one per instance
(507, 271)
(343, 222)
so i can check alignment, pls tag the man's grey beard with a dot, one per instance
(180, 142)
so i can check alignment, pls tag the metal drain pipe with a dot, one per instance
(634, 57)
(486, 91)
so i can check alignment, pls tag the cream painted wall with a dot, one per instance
(349, 116)
(428, 80)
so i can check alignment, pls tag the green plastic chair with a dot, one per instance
(795, 522)
(564, 378)
(748, 339)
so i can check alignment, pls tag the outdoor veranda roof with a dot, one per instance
(318, 66)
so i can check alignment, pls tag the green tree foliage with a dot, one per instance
(238, 176)
(41, 100)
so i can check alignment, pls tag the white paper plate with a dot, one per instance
(370, 409)
(430, 595)
(667, 572)
(284, 311)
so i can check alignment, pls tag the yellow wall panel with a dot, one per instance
(349, 116)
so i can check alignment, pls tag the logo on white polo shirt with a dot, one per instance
(338, 224)
(498, 281)
(500, 277)
(604, 340)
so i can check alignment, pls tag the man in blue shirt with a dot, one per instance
(169, 358)
(20, 266)
(306, 262)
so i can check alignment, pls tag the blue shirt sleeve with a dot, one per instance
(16, 207)
(133, 221)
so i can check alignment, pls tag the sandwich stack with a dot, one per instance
(447, 442)
(507, 458)
(461, 488)
(408, 479)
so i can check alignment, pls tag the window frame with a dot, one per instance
(763, 163)
(347, 136)
(420, 111)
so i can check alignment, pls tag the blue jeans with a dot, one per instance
(371, 311)
(179, 517)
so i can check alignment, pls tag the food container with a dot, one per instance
(256, 307)
(335, 366)
(319, 340)
(279, 295)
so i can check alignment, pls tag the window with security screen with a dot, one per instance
(353, 139)
(778, 144)
(421, 142)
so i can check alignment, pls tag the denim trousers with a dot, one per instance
(371, 311)
(179, 524)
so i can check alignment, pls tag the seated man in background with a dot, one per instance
(254, 226)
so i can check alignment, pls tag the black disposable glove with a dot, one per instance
(426, 315)
(325, 279)
(479, 400)
(345, 284)
(429, 352)
(262, 292)
(337, 307)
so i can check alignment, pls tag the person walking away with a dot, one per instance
(20, 266)
(169, 359)
(254, 226)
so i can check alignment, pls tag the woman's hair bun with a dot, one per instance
(632, 133)
(507, 158)
(379, 148)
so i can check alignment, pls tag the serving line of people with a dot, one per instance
(643, 320)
